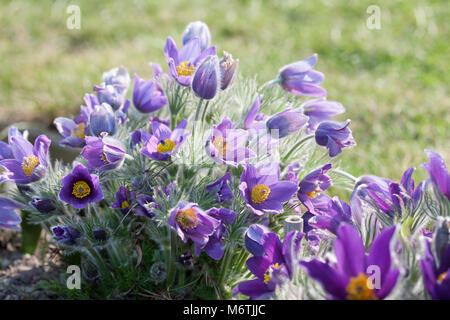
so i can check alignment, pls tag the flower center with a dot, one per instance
(220, 144)
(165, 146)
(81, 189)
(313, 194)
(79, 130)
(28, 164)
(260, 193)
(187, 218)
(269, 271)
(125, 205)
(358, 289)
(185, 69)
(441, 277)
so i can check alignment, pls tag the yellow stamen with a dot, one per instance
(187, 218)
(81, 189)
(165, 146)
(125, 204)
(28, 164)
(441, 277)
(79, 130)
(269, 271)
(260, 193)
(358, 289)
(185, 69)
(220, 144)
(314, 193)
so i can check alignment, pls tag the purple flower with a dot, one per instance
(43, 205)
(437, 170)
(214, 247)
(335, 136)
(226, 145)
(254, 119)
(182, 63)
(350, 277)
(29, 163)
(103, 119)
(190, 221)
(311, 187)
(262, 189)
(80, 188)
(110, 94)
(148, 96)
(228, 68)
(221, 189)
(103, 153)
(300, 78)
(338, 213)
(286, 122)
(273, 266)
(321, 110)
(117, 77)
(145, 206)
(254, 239)
(124, 198)
(73, 133)
(436, 273)
(8, 218)
(164, 143)
(65, 234)
(205, 82)
(198, 30)
(139, 136)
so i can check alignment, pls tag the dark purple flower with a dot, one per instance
(139, 136)
(228, 68)
(164, 143)
(43, 205)
(145, 206)
(205, 82)
(29, 163)
(254, 119)
(80, 188)
(350, 278)
(335, 136)
(321, 110)
(286, 123)
(437, 170)
(190, 221)
(214, 247)
(254, 239)
(124, 199)
(300, 78)
(221, 188)
(182, 63)
(8, 218)
(99, 234)
(148, 96)
(200, 30)
(103, 119)
(274, 266)
(103, 153)
(436, 273)
(338, 212)
(262, 189)
(311, 187)
(226, 145)
(65, 234)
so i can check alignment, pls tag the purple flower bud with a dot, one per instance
(206, 79)
(99, 234)
(286, 122)
(103, 119)
(43, 205)
(65, 234)
(199, 30)
(335, 136)
(228, 68)
(110, 94)
(147, 95)
(117, 77)
(221, 189)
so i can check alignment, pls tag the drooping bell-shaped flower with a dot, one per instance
(334, 136)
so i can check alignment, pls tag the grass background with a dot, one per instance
(393, 81)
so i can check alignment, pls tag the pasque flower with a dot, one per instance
(226, 145)
(320, 110)
(8, 218)
(254, 119)
(118, 77)
(148, 96)
(311, 188)
(338, 212)
(262, 189)
(164, 143)
(29, 163)
(124, 198)
(200, 30)
(272, 266)
(190, 221)
(335, 136)
(65, 234)
(286, 123)
(43, 205)
(436, 272)
(183, 63)
(110, 94)
(254, 239)
(221, 189)
(300, 78)
(228, 68)
(103, 120)
(80, 188)
(206, 80)
(103, 153)
(437, 171)
(349, 278)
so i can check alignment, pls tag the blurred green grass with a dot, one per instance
(393, 82)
